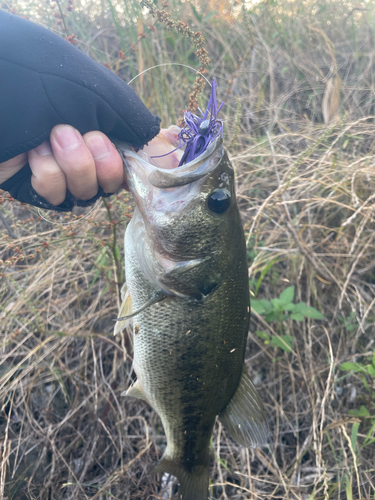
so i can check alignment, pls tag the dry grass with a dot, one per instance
(306, 192)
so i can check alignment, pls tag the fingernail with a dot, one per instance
(44, 149)
(98, 147)
(68, 137)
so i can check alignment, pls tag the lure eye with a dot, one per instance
(203, 127)
(219, 201)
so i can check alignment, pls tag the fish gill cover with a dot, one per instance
(200, 132)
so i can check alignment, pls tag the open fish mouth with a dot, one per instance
(160, 190)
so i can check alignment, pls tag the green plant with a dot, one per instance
(279, 310)
(283, 308)
(285, 342)
(366, 373)
(350, 322)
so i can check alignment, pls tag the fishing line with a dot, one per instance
(71, 222)
(170, 64)
(173, 64)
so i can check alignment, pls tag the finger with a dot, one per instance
(75, 160)
(108, 162)
(162, 148)
(11, 167)
(48, 179)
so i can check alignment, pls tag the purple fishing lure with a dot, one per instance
(199, 132)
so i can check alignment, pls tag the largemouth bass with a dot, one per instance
(188, 295)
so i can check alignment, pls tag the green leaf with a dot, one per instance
(356, 367)
(211, 14)
(278, 304)
(261, 306)
(373, 360)
(297, 316)
(101, 255)
(196, 13)
(354, 435)
(286, 343)
(369, 439)
(364, 382)
(272, 316)
(257, 306)
(287, 295)
(289, 307)
(371, 370)
(117, 253)
(263, 335)
(289, 340)
(263, 273)
(308, 311)
(348, 488)
(223, 463)
(311, 312)
(267, 305)
(362, 412)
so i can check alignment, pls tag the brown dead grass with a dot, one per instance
(306, 192)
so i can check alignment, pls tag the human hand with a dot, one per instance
(70, 160)
(45, 81)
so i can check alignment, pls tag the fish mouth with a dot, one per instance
(190, 172)
(163, 190)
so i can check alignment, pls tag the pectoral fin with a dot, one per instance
(158, 297)
(125, 311)
(123, 290)
(135, 391)
(244, 416)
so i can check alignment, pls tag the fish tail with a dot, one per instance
(193, 485)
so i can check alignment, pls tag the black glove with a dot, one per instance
(45, 81)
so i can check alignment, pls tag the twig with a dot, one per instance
(352, 269)
(198, 40)
(8, 228)
(307, 253)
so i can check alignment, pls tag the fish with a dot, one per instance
(187, 296)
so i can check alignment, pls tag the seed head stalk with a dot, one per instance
(198, 40)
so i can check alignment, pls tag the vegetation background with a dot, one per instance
(298, 83)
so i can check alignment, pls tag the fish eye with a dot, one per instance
(219, 201)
